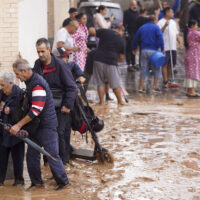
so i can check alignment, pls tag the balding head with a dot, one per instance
(133, 4)
(72, 26)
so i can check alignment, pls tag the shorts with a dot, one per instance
(106, 73)
(144, 68)
(168, 59)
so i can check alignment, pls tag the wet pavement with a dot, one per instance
(155, 142)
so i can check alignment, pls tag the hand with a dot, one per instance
(167, 23)
(2, 105)
(81, 79)
(64, 109)
(111, 18)
(15, 129)
(92, 31)
(76, 49)
(7, 110)
(157, 11)
(134, 52)
(88, 50)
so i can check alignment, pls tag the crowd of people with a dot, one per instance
(51, 84)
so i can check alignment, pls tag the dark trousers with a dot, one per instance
(17, 153)
(67, 137)
(130, 58)
(48, 139)
(62, 119)
(87, 80)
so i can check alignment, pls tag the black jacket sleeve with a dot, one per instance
(69, 87)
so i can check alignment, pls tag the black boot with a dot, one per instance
(18, 182)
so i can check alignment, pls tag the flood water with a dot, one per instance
(156, 147)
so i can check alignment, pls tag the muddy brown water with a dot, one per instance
(156, 146)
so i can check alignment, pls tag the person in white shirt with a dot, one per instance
(170, 35)
(99, 20)
(64, 38)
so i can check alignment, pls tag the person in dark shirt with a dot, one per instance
(110, 50)
(60, 80)
(195, 12)
(41, 106)
(10, 144)
(130, 17)
(142, 19)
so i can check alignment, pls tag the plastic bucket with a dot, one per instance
(157, 59)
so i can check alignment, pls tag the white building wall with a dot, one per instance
(61, 8)
(32, 18)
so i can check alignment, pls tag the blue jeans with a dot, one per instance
(48, 139)
(144, 68)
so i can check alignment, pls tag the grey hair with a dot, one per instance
(74, 23)
(7, 76)
(43, 41)
(21, 64)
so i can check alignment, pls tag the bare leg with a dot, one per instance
(101, 92)
(191, 91)
(155, 81)
(141, 84)
(164, 73)
(169, 72)
(107, 87)
(118, 94)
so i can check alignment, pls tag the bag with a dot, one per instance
(57, 97)
(82, 116)
(20, 111)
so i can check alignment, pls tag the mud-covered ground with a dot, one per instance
(156, 147)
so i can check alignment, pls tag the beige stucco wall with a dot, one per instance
(9, 26)
(8, 32)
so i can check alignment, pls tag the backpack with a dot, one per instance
(82, 115)
(20, 111)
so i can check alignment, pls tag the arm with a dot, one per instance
(136, 40)
(69, 86)
(102, 23)
(175, 6)
(76, 70)
(61, 44)
(160, 39)
(161, 15)
(125, 21)
(37, 105)
(163, 27)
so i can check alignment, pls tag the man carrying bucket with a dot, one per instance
(150, 38)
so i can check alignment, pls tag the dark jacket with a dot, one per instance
(6, 139)
(59, 76)
(130, 18)
(47, 116)
(75, 69)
